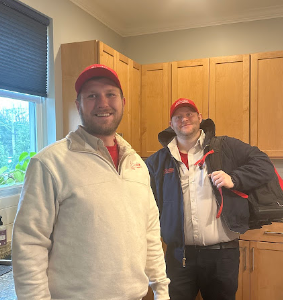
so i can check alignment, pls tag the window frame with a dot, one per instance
(39, 121)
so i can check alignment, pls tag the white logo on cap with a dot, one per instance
(182, 101)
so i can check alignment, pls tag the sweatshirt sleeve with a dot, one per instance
(32, 233)
(155, 265)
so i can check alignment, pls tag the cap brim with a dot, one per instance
(95, 72)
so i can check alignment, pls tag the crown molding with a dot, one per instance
(126, 31)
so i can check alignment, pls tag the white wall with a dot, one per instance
(223, 40)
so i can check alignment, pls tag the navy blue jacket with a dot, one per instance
(248, 166)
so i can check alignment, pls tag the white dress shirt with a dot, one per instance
(200, 208)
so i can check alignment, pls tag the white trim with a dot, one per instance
(41, 124)
(19, 96)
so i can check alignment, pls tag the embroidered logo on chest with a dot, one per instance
(135, 165)
(167, 171)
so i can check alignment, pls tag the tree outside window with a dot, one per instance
(16, 139)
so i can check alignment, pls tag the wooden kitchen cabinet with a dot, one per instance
(190, 80)
(164, 83)
(123, 68)
(261, 265)
(267, 102)
(220, 88)
(244, 278)
(135, 92)
(229, 95)
(156, 102)
(75, 57)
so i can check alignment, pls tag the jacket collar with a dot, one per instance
(207, 125)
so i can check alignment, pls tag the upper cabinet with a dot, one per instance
(267, 102)
(135, 119)
(75, 57)
(242, 94)
(123, 66)
(156, 101)
(229, 95)
(190, 80)
(106, 55)
(219, 87)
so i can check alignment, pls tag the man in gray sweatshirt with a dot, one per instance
(87, 225)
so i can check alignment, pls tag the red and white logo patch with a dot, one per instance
(135, 165)
(167, 171)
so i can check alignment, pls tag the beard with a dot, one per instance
(97, 128)
(185, 134)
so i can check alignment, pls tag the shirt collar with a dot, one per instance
(199, 145)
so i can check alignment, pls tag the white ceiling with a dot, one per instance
(137, 17)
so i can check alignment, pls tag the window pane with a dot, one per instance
(17, 135)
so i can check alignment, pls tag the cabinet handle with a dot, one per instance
(273, 232)
(253, 259)
(245, 258)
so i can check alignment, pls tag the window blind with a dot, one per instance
(23, 49)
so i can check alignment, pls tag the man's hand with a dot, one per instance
(220, 178)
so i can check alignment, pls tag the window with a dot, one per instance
(22, 131)
(23, 88)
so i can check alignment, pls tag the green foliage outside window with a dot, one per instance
(18, 174)
(15, 141)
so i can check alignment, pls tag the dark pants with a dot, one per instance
(212, 271)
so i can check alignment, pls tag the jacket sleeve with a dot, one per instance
(155, 264)
(32, 233)
(154, 186)
(252, 166)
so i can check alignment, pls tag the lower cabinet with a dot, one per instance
(261, 265)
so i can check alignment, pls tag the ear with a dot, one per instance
(77, 105)
(200, 117)
(170, 124)
(124, 101)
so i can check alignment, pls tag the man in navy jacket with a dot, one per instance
(200, 226)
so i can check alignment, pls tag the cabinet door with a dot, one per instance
(155, 105)
(267, 102)
(229, 95)
(266, 271)
(190, 80)
(244, 272)
(123, 66)
(107, 55)
(74, 58)
(123, 71)
(135, 98)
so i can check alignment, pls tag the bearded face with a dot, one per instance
(100, 107)
(186, 123)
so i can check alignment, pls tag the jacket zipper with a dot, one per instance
(184, 248)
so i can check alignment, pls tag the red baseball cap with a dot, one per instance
(96, 70)
(181, 102)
